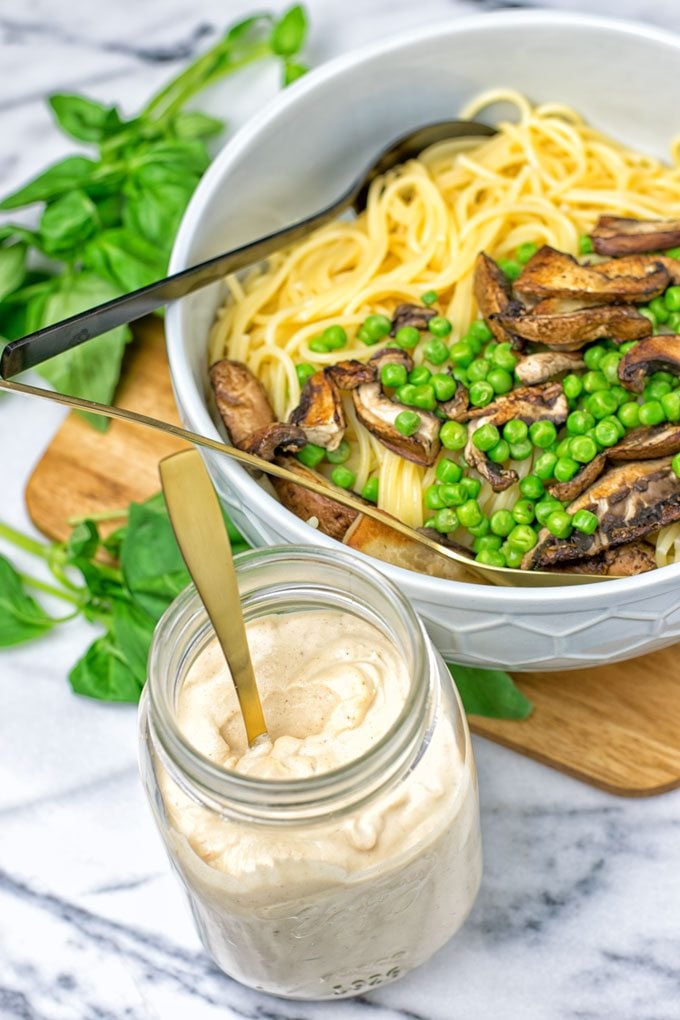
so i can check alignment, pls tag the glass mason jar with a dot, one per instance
(330, 885)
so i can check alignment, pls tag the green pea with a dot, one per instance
(579, 422)
(585, 245)
(601, 403)
(407, 422)
(340, 455)
(472, 487)
(424, 398)
(629, 415)
(523, 537)
(318, 345)
(500, 452)
(559, 524)
(311, 455)
(657, 307)
(648, 314)
(365, 337)
(491, 558)
(481, 393)
(521, 451)
(429, 297)
(572, 386)
(461, 354)
(500, 379)
(393, 375)
(405, 394)
(460, 375)
(542, 434)
(474, 343)
(510, 267)
(545, 466)
(566, 468)
(407, 337)
(594, 382)
(453, 435)
(490, 543)
(651, 413)
(673, 253)
(609, 366)
(444, 385)
(335, 337)
(513, 556)
(674, 322)
(370, 490)
(480, 331)
(515, 431)
(675, 464)
(439, 326)
(523, 511)
(446, 520)
(563, 447)
(489, 350)
(545, 507)
(343, 477)
(585, 521)
(481, 529)
(656, 390)
(622, 396)
(629, 344)
(525, 251)
(436, 352)
(502, 523)
(593, 356)
(671, 405)
(448, 471)
(470, 513)
(532, 487)
(478, 370)
(419, 375)
(503, 357)
(304, 371)
(376, 327)
(452, 494)
(664, 377)
(583, 449)
(433, 498)
(486, 437)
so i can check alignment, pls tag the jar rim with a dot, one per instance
(232, 791)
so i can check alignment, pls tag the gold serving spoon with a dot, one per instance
(486, 573)
(201, 534)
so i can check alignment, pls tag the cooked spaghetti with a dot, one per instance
(543, 179)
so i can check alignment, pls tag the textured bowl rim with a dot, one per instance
(192, 402)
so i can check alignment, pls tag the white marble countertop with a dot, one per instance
(579, 913)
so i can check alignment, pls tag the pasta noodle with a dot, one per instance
(545, 177)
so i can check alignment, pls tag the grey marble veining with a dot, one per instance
(579, 913)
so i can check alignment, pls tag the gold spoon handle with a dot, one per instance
(201, 534)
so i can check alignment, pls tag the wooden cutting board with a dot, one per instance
(616, 727)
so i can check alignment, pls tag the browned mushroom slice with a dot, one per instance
(332, 518)
(347, 375)
(320, 413)
(546, 402)
(621, 235)
(648, 441)
(584, 477)
(411, 315)
(241, 400)
(492, 294)
(630, 501)
(378, 413)
(456, 408)
(638, 265)
(376, 539)
(391, 356)
(538, 368)
(623, 561)
(279, 436)
(569, 331)
(652, 354)
(550, 273)
(499, 478)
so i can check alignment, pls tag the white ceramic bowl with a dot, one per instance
(303, 148)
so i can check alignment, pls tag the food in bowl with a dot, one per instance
(482, 352)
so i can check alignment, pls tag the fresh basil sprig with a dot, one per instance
(110, 216)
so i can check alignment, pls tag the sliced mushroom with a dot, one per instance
(652, 354)
(638, 265)
(391, 356)
(550, 273)
(647, 442)
(584, 477)
(333, 518)
(546, 402)
(456, 408)
(569, 331)
(499, 478)
(537, 368)
(630, 501)
(241, 400)
(376, 539)
(621, 235)
(623, 561)
(411, 315)
(492, 294)
(320, 413)
(347, 375)
(378, 413)
(279, 436)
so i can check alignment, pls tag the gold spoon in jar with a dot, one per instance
(196, 518)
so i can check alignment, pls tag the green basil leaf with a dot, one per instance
(21, 617)
(133, 629)
(84, 118)
(194, 125)
(92, 369)
(490, 692)
(104, 673)
(156, 214)
(125, 258)
(110, 210)
(187, 155)
(293, 70)
(67, 222)
(152, 176)
(151, 562)
(288, 34)
(12, 268)
(69, 173)
(83, 541)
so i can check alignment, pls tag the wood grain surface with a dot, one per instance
(616, 727)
